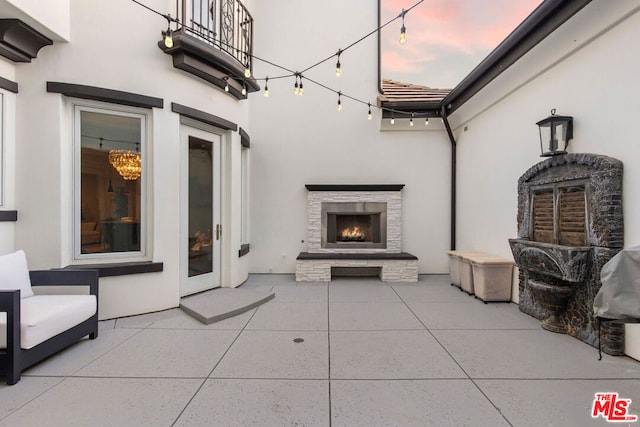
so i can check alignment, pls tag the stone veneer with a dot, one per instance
(577, 268)
(394, 218)
(390, 270)
(400, 268)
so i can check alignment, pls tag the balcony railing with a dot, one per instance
(226, 25)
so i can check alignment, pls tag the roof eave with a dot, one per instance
(544, 20)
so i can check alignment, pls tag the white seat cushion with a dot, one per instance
(44, 316)
(14, 273)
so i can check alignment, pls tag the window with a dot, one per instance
(559, 215)
(244, 231)
(110, 176)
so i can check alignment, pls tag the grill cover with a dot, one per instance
(619, 296)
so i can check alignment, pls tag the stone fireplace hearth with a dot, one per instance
(569, 225)
(355, 227)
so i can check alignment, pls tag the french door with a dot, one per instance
(202, 231)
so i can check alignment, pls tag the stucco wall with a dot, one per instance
(584, 69)
(300, 140)
(51, 18)
(114, 46)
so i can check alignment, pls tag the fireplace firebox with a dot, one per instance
(354, 225)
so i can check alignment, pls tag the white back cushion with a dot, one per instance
(14, 273)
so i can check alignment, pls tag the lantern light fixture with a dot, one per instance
(555, 133)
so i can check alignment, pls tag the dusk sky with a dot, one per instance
(446, 39)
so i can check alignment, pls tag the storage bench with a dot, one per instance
(486, 276)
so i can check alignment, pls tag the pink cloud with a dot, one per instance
(462, 27)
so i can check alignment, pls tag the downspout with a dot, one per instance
(453, 176)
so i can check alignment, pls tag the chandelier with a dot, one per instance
(127, 163)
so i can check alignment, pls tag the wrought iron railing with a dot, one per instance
(224, 24)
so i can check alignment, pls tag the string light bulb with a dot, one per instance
(411, 120)
(338, 68)
(301, 92)
(403, 30)
(168, 38)
(266, 87)
(226, 84)
(426, 121)
(247, 71)
(369, 116)
(393, 119)
(296, 89)
(244, 89)
(339, 101)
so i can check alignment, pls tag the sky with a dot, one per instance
(446, 39)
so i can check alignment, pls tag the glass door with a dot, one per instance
(201, 213)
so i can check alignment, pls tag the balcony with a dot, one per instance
(213, 39)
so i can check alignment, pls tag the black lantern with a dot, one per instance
(555, 133)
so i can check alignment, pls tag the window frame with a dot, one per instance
(244, 195)
(145, 116)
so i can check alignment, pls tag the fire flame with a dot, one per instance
(352, 232)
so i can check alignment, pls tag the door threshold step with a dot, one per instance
(221, 303)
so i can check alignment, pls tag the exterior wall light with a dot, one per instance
(555, 133)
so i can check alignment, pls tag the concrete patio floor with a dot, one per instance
(372, 354)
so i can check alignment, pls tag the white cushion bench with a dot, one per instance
(33, 326)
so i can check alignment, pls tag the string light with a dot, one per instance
(168, 40)
(411, 120)
(403, 30)
(296, 89)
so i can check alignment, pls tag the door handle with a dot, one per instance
(218, 231)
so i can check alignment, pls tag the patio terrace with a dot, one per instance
(373, 354)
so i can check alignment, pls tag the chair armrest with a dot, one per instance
(84, 277)
(10, 304)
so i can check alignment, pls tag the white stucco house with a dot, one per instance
(151, 163)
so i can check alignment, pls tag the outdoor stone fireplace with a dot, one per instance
(569, 225)
(355, 227)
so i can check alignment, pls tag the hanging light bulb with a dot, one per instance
(393, 120)
(296, 89)
(426, 121)
(369, 115)
(411, 120)
(226, 84)
(339, 101)
(244, 89)
(338, 68)
(168, 38)
(266, 87)
(403, 30)
(247, 71)
(301, 92)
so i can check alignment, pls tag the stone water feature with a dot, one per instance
(569, 225)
